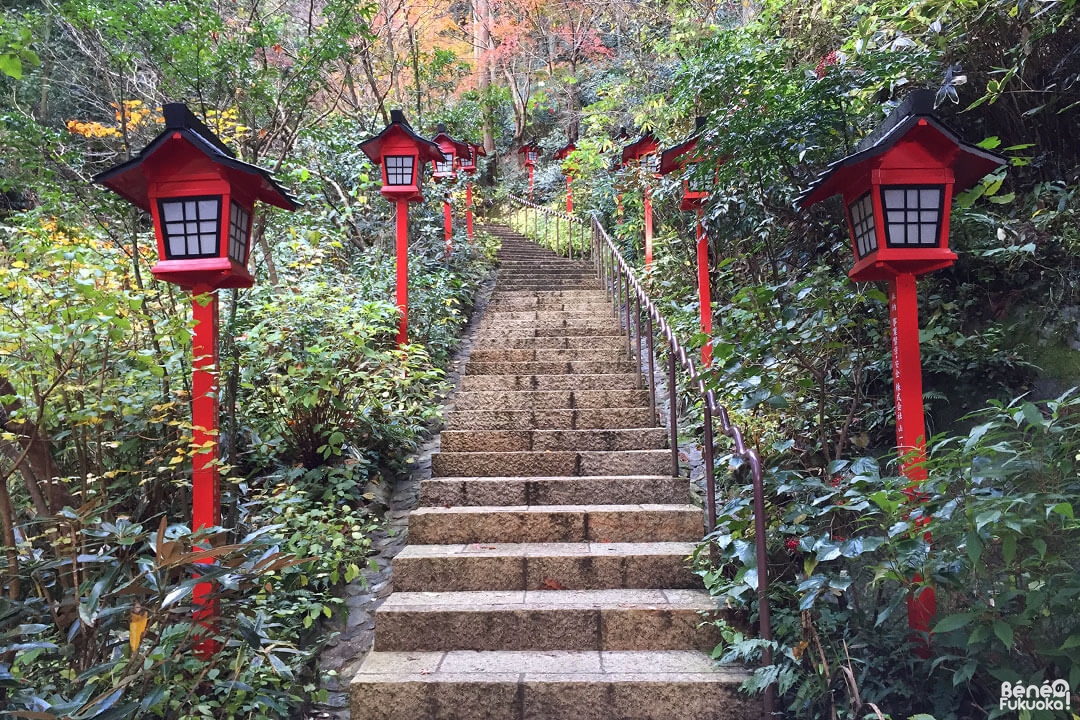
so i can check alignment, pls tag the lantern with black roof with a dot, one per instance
(563, 154)
(644, 152)
(402, 155)
(897, 189)
(201, 199)
(446, 169)
(467, 163)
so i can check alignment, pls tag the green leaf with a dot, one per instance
(11, 66)
(1004, 633)
(1062, 508)
(954, 622)
(989, 143)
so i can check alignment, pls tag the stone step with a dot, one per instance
(554, 685)
(570, 462)
(586, 307)
(563, 367)
(551, 382)
(546, 620)
(614, 342)
(549, 399)
(497, 334)
(520, 317)
(597, 294)
(544, 566)
(557, 490)
(546, 355)
(464, 441)
(584, 419)
(554, 523)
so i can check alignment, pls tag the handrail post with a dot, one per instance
(710, 478)
(650, 342)
(673, 412)
(629, 329)
(637, 328)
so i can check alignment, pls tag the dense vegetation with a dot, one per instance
(319, 407)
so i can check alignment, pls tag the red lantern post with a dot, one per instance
(684, 157)
(563, 154)
(530, 153)
(897, 189)
(446, 169)
(467, 164)
(201, 199)
(643, 151)
(401, 154)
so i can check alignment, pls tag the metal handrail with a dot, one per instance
(621, 283)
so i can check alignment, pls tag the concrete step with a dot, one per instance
(554, 523)
(569, 462)
(465, 441)
(587, 307)
(582, 419)
(544, 566)
(562, 367)
(552, 685)
(546, 620)
(550, 399)
(494, 335)
(558, 490)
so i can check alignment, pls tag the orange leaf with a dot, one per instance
(136, 627)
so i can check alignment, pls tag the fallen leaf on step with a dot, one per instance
(551, 584)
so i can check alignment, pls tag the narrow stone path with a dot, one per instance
(545, 571)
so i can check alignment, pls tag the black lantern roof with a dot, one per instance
(970, 164)
(672, 158)
(129, 179)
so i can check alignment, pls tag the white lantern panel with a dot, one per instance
(862, 225)
(399, 169)
(695, 181)
(191, 226)
(239, 233)
(446, 167)
(913, 215)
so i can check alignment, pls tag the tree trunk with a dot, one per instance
(35, 461)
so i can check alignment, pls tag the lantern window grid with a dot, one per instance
(531, 156)
(862, 225)
(446, 167)
(652, 163)
(191, 226)
(399, 169)
(239, 231)
(912, 214)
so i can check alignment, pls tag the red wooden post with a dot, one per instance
(569, 196)
(703, 289)
(402, 262)
(205, 475)
(648, 226)
(897, 190)
(530, 182)
(468, 210)
(448, 227)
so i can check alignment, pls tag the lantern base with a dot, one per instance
(871, 268)
(214, 272)
(409, 194)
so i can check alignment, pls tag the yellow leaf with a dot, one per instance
(136, 627)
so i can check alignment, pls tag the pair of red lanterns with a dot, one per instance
(402, 155)
(201, 199)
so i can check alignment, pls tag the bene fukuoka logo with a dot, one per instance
(1048, 696)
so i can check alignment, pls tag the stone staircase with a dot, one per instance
(545, 573)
